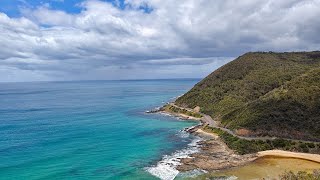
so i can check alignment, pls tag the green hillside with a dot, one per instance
(269, 94)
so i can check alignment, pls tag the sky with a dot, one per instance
(65, 40)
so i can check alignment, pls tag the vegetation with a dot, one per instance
(268, 94)
(243, 146)
(301, 175)
(174, 109)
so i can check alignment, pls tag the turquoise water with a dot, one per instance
(87, 130)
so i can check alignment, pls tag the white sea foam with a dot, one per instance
(166, 168)
(192, 173)
(183, 134)
(179, 118)
(171, 115)
(192, 127)
(176, 97)
(165, 114)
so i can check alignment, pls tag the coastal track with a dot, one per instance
(206, 119)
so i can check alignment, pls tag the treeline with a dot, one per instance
(243, 146)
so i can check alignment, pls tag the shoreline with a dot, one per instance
(215, 155)
(289, 154)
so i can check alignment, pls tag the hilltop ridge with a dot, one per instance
(263, 94)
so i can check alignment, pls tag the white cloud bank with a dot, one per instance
(178, 38)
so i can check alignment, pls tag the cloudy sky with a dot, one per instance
(43, 40)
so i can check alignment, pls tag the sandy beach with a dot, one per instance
(203, 133)
(215, 155)
(288, 154)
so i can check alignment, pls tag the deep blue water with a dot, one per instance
(87, 130)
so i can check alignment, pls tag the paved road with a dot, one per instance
(206, 119)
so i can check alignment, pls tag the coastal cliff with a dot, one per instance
(263, 94)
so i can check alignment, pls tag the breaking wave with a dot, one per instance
(166, 168)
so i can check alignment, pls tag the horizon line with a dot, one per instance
(92, 80)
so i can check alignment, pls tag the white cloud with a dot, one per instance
(176, 35)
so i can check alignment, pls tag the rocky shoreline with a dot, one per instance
(214, 154)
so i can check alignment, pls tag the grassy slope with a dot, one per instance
(267, 93)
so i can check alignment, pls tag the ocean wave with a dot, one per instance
(167, 114)
(176, 97)
(173, 116)
(166, 168)
(183, 134)
(191, 174)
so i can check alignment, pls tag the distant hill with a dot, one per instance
(263, 94)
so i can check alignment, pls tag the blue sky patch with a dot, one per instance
(12, 7)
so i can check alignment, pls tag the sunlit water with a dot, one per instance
(88, 130)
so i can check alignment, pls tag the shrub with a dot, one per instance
(301, 175)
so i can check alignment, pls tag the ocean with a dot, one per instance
(91, 130)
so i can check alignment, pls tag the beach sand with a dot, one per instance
(288, 154)
(201, 132)
(268, 167)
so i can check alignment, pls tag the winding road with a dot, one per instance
(206, 119)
